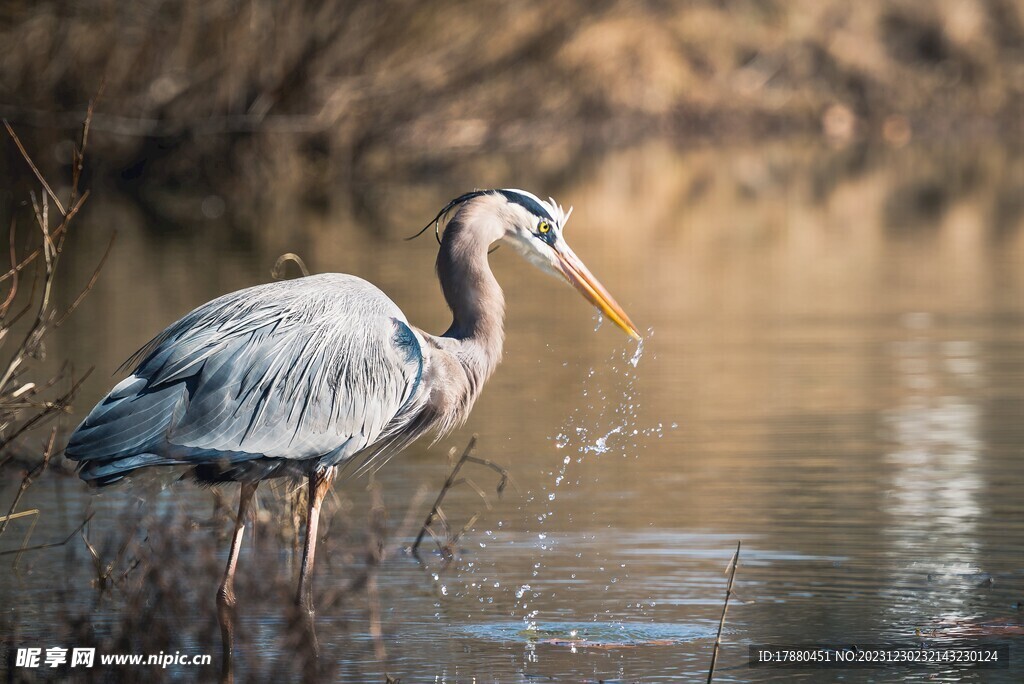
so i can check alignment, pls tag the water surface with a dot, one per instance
(833, 374)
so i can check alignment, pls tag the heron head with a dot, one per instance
(534, 228)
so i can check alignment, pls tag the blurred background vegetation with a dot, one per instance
(816, 203)
(329, 99)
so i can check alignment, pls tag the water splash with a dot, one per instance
(606, 422)
(635, 359)
(601, 445)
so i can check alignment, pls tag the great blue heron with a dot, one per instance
(296, 378)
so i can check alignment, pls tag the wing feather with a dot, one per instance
(318, 367)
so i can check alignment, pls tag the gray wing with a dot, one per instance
(317, 367)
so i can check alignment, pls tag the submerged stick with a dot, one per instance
(733, 564)
(440, 496)
(437, 515)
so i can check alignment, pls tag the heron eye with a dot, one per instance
(544, 227)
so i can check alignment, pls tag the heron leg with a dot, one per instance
(319, 484)
(226, 593)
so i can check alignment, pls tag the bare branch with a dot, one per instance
(447, 545)
(731, 569)
(92, 282)
(52, 544)
(31, 164)
(27, 481)
(57, 232)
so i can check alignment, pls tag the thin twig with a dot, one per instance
(56, 232)
(505, 480)
(28, 535)
(89, 285)
(440, 496)
(436, 515)
(59, 405)
(733, 564)
(79, 155)
(22, 514)
(105, 571)
(51, 544)
(27, 481)
(14, 260)
(32, 166)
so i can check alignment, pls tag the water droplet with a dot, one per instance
(635, 359)
(601, 445)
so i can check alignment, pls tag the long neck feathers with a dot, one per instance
(472, 293)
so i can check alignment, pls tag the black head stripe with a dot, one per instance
(525, 201)
(531, 205)
(443, 214)
(461, 199)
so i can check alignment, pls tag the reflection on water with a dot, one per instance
(834, 373)
(936, 481)
(936, 428)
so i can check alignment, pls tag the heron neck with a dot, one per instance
(472, 293)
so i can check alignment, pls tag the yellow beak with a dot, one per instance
(580, 277)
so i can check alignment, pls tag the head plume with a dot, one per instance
(547, 209)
